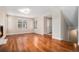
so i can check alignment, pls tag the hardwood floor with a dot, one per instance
(36, 43)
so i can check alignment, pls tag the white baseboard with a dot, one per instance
(23, 33)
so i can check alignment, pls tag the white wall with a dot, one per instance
(13, 28)
(64, 28)
(70, 14)
(11, 25)
(3, 21)
(56, 24)
(40, 25)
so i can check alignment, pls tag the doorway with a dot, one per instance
(48, 25)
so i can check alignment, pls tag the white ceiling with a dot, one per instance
(35, 10)
(71, 15)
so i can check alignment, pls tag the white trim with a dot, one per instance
(56, 38)
(22, 33)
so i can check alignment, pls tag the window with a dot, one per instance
(35, 24)
(22, 23)
(19, 23)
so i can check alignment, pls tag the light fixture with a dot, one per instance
(24, 10)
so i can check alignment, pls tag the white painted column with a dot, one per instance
(3, 23)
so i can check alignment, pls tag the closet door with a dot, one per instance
(12, 25)
(25, 25)
(19, 25)
(29, 25)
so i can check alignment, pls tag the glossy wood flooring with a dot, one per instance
(36, 43)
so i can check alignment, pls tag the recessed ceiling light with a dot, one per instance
(24, 10)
